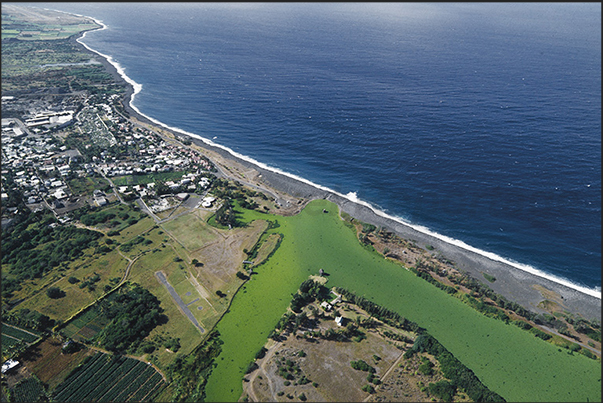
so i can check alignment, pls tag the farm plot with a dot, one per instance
(110, 379)
(86, 326)
(48, 363)
(18, 334)
(12, 336)
(28, 390)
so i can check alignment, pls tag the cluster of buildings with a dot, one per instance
(41, 166)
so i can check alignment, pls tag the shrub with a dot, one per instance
(251, 367)
(55, 293)
(442, 389)
(368, 389)
(73, 280)
(361, 365)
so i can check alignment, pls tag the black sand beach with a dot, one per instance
(524, 288)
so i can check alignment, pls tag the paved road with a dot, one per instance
(178, 300)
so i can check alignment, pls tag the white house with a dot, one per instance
(8, 365)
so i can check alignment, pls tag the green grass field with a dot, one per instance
(511, 362)
(191, 231)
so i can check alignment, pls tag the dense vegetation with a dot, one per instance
(28, 319)
(380, 312)
(37, 245)
(453, 369)
(190, 373)
(28, 390)
(134, 312)
(226, 215)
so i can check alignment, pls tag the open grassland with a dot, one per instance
(196, 284)
(87, 185)
(191, 231)
(148, 178)
(105, 267)
(511, 362)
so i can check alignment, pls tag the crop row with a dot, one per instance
(145, 392)
(8, 341)
(18, 333)
(77, 378)
(135, 384)
(107, 371)
(115, 379)
(124, 382)
(105, 385)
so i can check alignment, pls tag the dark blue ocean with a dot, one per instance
(481, 122)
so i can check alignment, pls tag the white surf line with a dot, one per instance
(594, 292)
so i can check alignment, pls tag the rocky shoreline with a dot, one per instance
(524, 288)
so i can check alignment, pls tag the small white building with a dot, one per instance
(207, 201)
(8, 365)
(339, 320)
(100, 201)
(326, 306)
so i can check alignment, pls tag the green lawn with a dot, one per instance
(511, 362)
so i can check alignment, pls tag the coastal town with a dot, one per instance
(124, 245)
(42, 172)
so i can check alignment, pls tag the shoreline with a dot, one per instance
(519, 283)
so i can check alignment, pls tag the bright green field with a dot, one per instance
(511, 362)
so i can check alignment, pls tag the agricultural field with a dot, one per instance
(48, 363)
(508, 360)
(15, 333)
(96, 274)
(28, 390)
(30, 24)
(111, 379)
(15, 338)
(85, 326)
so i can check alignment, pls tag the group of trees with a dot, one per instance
(459, 375)
(380, 312)
(134, 312)
(28, 319)
(309, 291)
(189, 373)
(34, 247)
(226, 215)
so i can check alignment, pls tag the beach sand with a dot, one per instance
(522, 287)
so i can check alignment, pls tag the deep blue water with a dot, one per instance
(481, 122)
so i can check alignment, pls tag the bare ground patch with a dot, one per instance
(321, 369)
